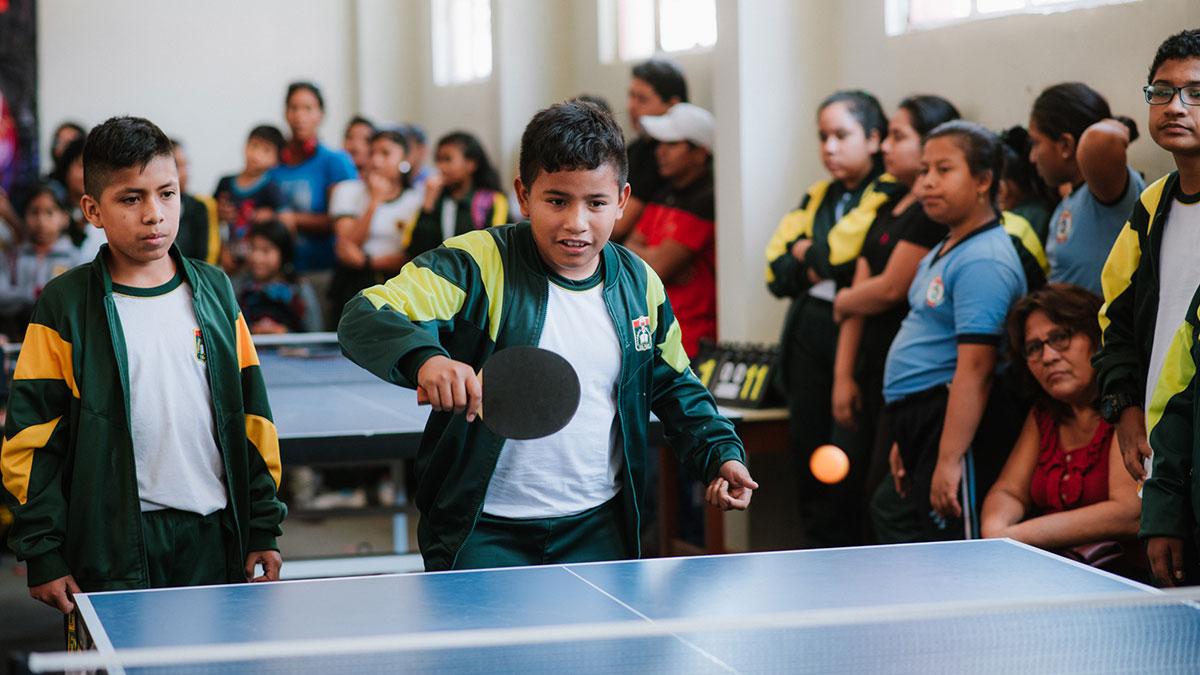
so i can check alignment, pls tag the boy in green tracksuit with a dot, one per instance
(555, 282)
(1171, 495)
(139, 449)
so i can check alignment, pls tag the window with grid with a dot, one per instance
(906, 15)
(632, 30)
(462, 41)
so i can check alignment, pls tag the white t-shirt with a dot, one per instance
(579, 467)
(392, 221)
(174, 439)
(1179, 277)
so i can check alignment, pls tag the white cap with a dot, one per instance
(683, 122)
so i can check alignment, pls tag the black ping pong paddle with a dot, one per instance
(528, 393)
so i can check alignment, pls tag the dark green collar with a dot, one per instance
(156, 291)
(587, 284)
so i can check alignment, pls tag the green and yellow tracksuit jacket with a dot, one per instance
(67, 461)
(488, 290)
(1171, 496)
(1130, 284)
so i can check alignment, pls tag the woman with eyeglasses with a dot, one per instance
(1076, 142)
(1063, 487)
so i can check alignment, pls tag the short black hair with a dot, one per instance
(268, 134)
(982, 148)
(928, 111)
(120, 143)
(572, 136)
(1070, 108)
(394, 135)
(281, 237)
(598, 101)
(416, 134)
(1183, 45)
(23, 199)
(305, 86)
(665, 77)
(357, 120)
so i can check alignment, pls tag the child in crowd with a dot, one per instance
(272, 299)
(356, 141)
(249, 197)
(802, 261)
(373, 219)
(463, 195)
(146, 458)
(199, 227)
(870, 311)
(677, 232)
(416, 167)
(68, 173)
(64, 134)
(943, 412)
(1075, 141)
(1022, 190)
(45, 254)
(573, 496)
(654, 86)
(1150, 283)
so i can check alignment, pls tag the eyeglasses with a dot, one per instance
(1058, 340)
(1162, 94)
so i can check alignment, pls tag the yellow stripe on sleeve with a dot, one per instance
(214, 229)
(481, 246)
(418, 293)
(247, 354)
(794, 224)
(261, 432)
(1118, 271)
(16, 457)
(1178, 369)
(672, 344)
(45, 355)
(1018, 226)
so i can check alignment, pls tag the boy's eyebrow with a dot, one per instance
(560, 193)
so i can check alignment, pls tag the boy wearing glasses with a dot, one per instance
(1149, 282)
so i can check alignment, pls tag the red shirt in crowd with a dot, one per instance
(1068, 478)
(687, 215)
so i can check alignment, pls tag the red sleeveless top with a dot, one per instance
(1068, 478)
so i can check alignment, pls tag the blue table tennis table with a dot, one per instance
(864, 591)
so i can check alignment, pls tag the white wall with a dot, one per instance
(994, 69)
(206, 72)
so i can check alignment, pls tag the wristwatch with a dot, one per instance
(1112, 405)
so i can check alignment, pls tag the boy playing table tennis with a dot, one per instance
(557, 283)
(139, 449)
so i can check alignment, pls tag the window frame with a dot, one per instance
(608, 35)
(447, 41)
(897, 22)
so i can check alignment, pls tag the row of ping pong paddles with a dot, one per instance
(528, 393)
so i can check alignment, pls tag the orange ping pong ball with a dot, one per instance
(829, 464)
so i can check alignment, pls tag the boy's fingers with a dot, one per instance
(72, 586)
(63, 601)
(458, 390)
(474, 397)
(1176, 559)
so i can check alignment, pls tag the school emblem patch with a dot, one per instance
(1062, 229)
(936, 292)
(200, 355)
(641, 333)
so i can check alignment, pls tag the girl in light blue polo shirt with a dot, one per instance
(940, 368)
(1076, 142)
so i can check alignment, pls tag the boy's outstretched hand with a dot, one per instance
(271, 561)
(451, 385)
(732, 487)
(56, 593)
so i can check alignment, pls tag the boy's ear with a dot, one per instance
(91, 210)
(522, 196)
(623, 200)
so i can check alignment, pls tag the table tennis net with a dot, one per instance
(1112, 633)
